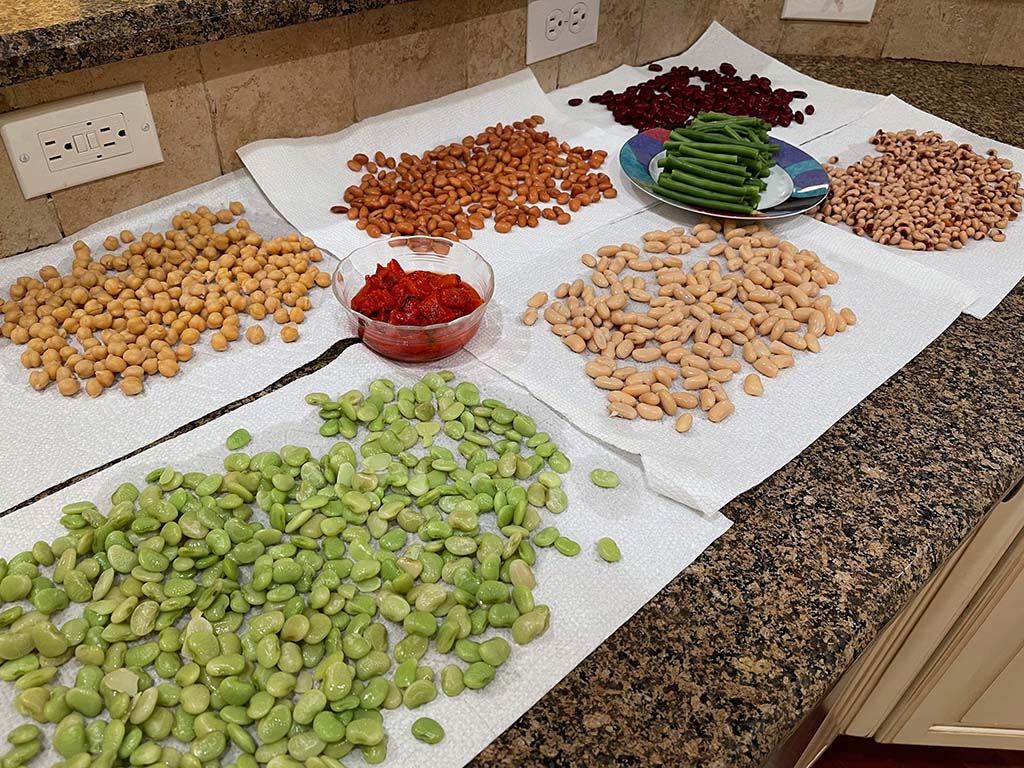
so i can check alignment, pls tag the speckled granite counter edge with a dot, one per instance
(164, 26)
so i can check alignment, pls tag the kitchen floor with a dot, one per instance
(848, 752)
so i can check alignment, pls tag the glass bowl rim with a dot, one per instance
(433, 326)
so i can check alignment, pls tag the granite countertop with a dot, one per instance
(721, 666)
(46, 37)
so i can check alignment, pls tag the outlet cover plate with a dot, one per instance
(554, 27)
(69, 142)
(829, 10)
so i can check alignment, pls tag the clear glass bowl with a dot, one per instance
(414, 343)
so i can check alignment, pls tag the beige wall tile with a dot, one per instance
(671, 26)
(546, 73)
(407, 54)
(24, 224)
(495, 39)
(758, 22)
(822, 38)
(943, 30)
(618, 36)
(182, 117)
(290, 82)
(1007, 45)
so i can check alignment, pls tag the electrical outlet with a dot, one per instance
(554, 27)
(578, 18)
(829, 10)
(65, 143)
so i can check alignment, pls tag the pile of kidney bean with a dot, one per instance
(670, 98)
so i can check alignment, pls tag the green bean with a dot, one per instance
(703, 201)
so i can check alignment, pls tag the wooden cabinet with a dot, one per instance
(971, 691)
(949, 670)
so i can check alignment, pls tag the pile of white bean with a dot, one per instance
(643, 306)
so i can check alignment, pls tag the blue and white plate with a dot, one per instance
(797, 182)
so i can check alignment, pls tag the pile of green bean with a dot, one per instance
(280, 644)
(718, 162)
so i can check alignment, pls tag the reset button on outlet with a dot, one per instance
(66, 143)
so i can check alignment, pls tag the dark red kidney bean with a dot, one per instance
(809, 109)
(670, 98)
(799, 116)
(339, 209)
(575, 102)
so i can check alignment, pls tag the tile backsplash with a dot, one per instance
(321, 76)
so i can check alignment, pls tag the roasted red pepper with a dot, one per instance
(395, 296)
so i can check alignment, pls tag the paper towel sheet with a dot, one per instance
(658, 539)
(834, 106)
(992, 269)
(700, 468)
(305, 177)
(47, 437)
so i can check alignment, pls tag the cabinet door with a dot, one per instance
(971, 694)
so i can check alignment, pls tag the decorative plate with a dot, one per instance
(797, 182)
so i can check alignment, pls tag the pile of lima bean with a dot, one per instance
(208, 638)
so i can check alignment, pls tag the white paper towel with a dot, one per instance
(833, 106)
(48, 438)
(305, 177)
(900, 309)
(992, 269)
(658, 538)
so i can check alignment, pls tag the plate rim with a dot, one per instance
(767, 214)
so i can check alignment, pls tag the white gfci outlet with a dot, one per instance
(65, 143)
(554, 27)
(829, 10)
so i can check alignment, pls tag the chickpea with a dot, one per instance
(131, 385)
(68, 386)
(289, 333)
(255, 334)
(219, 342)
